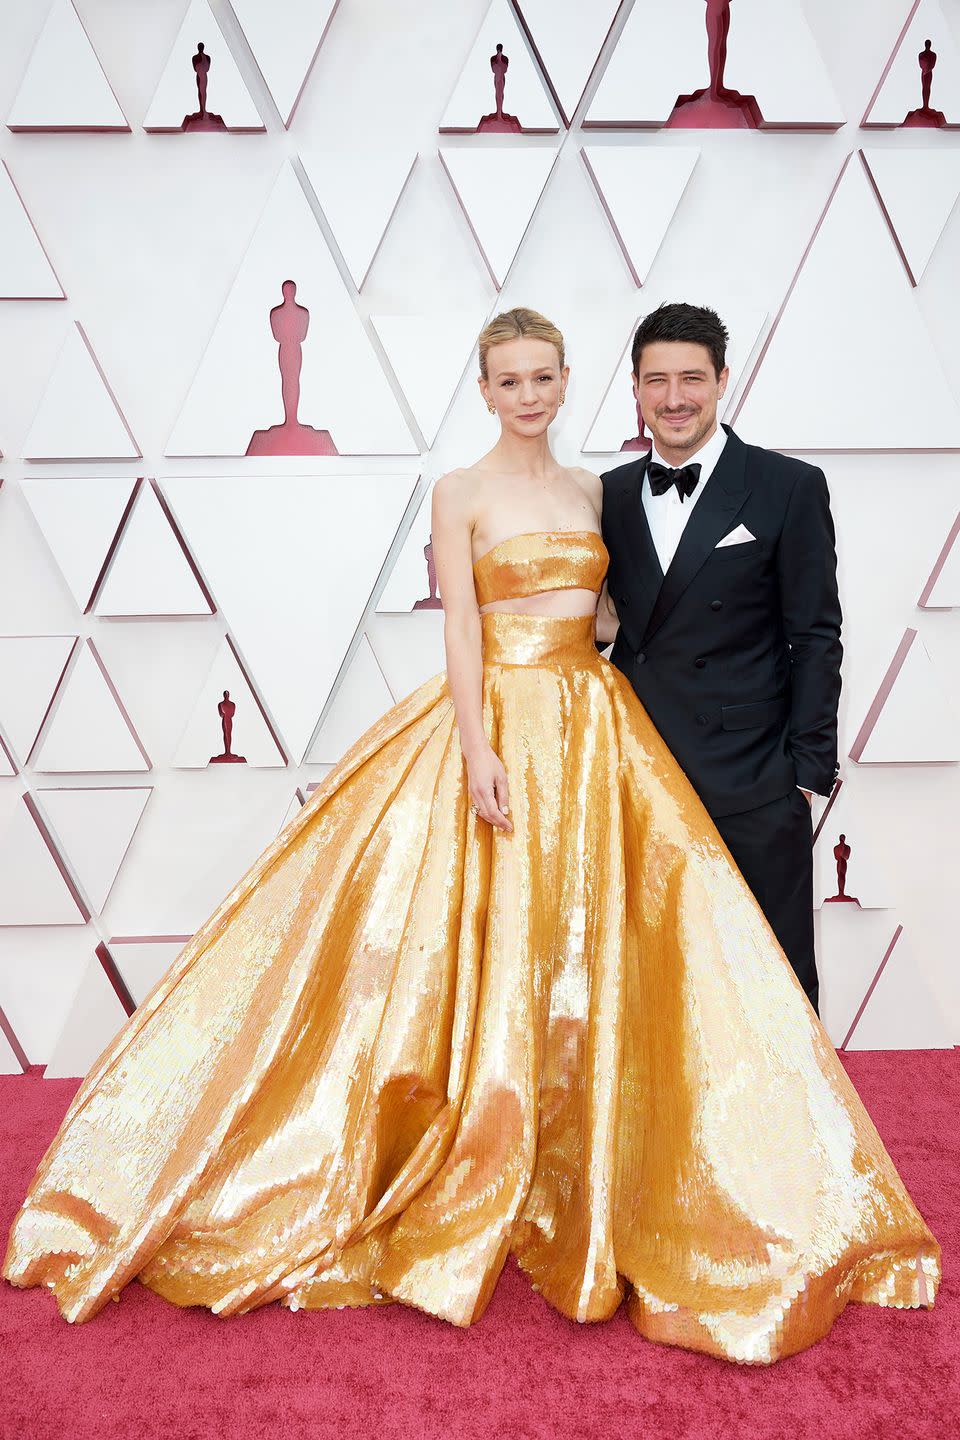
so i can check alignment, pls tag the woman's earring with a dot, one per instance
(491, 408)
(563, 397)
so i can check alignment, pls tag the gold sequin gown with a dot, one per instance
(403, 1047)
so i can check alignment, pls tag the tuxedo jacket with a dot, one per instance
(734, 652)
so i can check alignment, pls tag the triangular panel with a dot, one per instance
(898, 1011)
(25, 270)
(942, 589)
(338, 402)
(849, 866)
(89, 729)
(359, 213)
(361, 698)
(428, 354)
(903, 96)
(500, 89)
(639, 190)
(93, 829)
(78, 417)
(227, 708)
(64, 87)
(94, 1018)
(917, 189)
(499, 190)
(409, 648)
(280, 611)
(31, 669)
(34, 889)
(660, 53)
(850, 298)
(200, 57)
(142, 962)
(413, 580)
(567, 40)
(150, 573)
(284, 36)
(79, 517)
(910, 720)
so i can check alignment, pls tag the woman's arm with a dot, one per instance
(451, 528)
(607, 622)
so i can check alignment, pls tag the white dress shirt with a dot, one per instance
(667, 514)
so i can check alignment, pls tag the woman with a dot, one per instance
(498, 987)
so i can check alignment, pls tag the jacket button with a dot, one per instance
(702, 720)
(641, 657)
(716, 604)
(699, 662)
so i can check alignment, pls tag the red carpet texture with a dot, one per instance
(144, 1368)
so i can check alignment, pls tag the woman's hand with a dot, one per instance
(488, 788)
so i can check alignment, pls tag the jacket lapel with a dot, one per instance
(723, 497)
(645, 576)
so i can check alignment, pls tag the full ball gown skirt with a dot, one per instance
(403, 1047)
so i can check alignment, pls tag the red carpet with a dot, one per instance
(143, 1368)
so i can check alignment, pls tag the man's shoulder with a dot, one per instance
(610, 479)
(781, 471)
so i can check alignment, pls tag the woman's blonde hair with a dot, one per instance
(512, 324)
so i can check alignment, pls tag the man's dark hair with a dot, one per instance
(695, 324)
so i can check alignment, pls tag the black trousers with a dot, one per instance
(773, 849)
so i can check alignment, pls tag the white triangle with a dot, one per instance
(499, 190)
(428, 354)
(176, 95)
(203, 737)
(900, 91)
(409, 585)
(409, 648)
(88, 729)
(857, 814)
(93, 1020)
(661, 53)
(942, 590)
(359, 215)
(616, 419)
(64, 87)
(78, 518)
(292, 622)
(93, 829)
(916, 724)
(78, 418)
(772, 55)
(284, 36)
(6, 763)
(296, 805)
(850, 946)
(9, 1060)
(524, 94)
(567, 40)
(32, 888)
(141, 964)
(902, 1012)
(31, 669)
(25, 271)
(918, 188)
(236, 390)
(639, 190)
(362, 697)
(851, 298)
(150, 573)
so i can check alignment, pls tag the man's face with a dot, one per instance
(678, 393)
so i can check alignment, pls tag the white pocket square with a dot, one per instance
(740, 536)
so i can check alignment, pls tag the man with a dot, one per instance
(723, 575)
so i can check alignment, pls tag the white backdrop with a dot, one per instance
(291, 581)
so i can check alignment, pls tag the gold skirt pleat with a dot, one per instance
(403, 1047)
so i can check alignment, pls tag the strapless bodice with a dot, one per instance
(541, 560)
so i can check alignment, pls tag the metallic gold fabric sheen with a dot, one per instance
(403, 1047)
(546, 560)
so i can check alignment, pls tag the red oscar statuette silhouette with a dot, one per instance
(204, 119)
(640, 441)
(431, 601)
(226, 710)
(499, 123)
(289, 323)
(716, 107)
(841, 853)
(925, 117)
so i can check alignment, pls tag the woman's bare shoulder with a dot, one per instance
(589, 483)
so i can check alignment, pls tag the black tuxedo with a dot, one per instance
(735, 654)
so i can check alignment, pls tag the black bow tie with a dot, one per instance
(662, 477)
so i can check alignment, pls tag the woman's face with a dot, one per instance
(524, 383)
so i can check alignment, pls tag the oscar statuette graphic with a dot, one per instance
(204, 119)
(641, 441)
(499, 122)
(841, 853)
(289, 323)
(432, 600)
(926, 117)
(716, 107)
(226, 710)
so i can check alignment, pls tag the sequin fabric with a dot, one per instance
(403, 1047)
